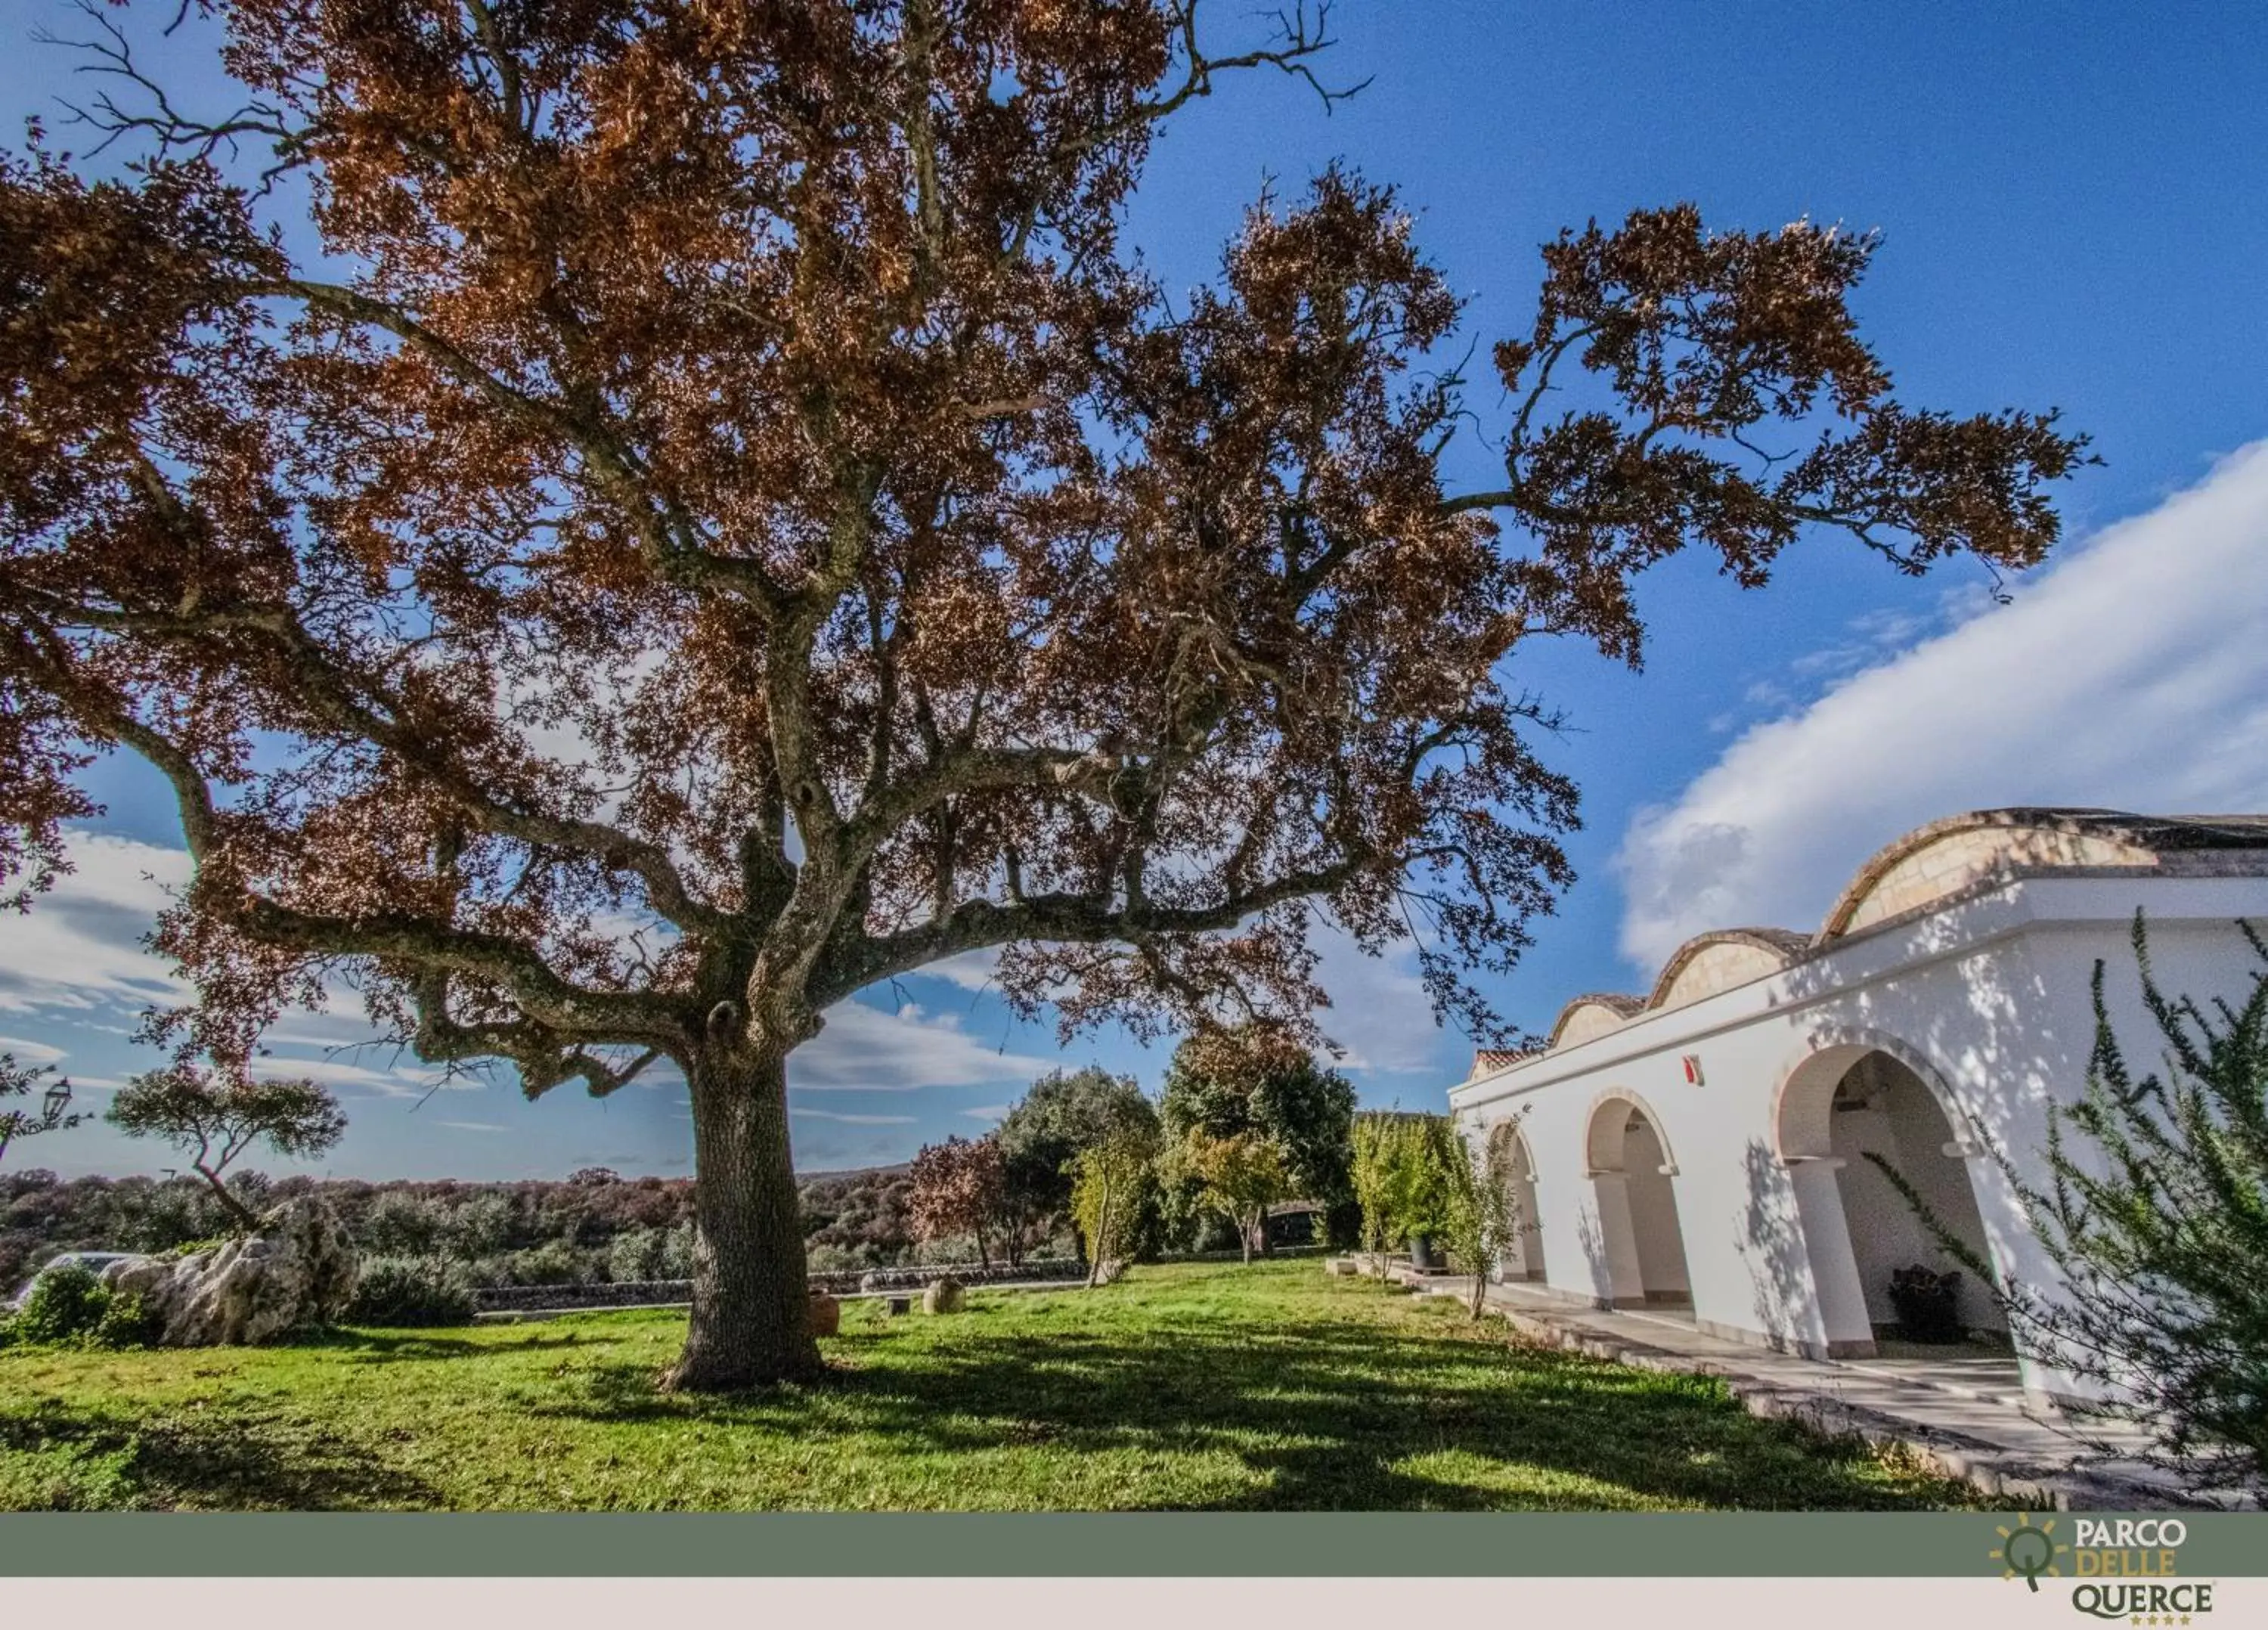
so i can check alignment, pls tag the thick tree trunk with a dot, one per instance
(751, 1303)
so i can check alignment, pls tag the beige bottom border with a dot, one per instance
(1082, 1604)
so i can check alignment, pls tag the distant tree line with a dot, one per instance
(1249, 1126)
(593, 1227)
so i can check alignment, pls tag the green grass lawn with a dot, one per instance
(1199, 1386)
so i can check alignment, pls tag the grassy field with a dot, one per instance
(1198, 1386)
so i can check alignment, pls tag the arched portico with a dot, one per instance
(1640, 1242)
(1864, 1096)
(1523, 1259)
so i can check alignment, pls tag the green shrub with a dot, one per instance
(654, 1254)
(676, 1253)
(189, 1248)
(127, 1321)
(70, 1305)
(414, 1293)
(167, 1216)
(478, 1226)
(555, 1262)
(404, 1225)
(66, 1303)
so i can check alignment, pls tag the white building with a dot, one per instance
(1698, 1150)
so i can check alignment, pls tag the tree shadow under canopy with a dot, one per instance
(1324, 1413)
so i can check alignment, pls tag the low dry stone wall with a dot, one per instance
(628, 1294)
(916, 1278)
(662, 1293)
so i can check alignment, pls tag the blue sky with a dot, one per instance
(2074, 205)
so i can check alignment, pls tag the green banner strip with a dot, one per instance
(1341, 1544)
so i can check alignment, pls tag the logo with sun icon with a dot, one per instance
(2027, 1552)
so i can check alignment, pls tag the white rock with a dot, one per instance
(299, 1270)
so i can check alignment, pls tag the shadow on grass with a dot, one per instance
(1330, 1414)
(382, 1346)
(231, 1463)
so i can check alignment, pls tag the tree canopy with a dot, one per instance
(703, 511)
(1262, 1079)
(959, 1188)
(213, 1115)
(1065, 1114)
(1240, 1174)
(1111, 1178)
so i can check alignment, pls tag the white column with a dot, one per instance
(1512, 1261)
(1836, 1291)
(1625, 1286)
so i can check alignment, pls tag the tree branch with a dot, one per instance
(1058, 917)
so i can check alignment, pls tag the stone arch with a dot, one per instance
(1853, 1092)
(1641, 1240)
(1848, 1043)
(1605, 1136)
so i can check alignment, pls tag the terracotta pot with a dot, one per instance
(826, 1315)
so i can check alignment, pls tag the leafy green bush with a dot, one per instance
(127, 1321)
(642, 1254)
(554, 1262)
(404, 1225)
(66, 1303)
(70, 1305)
(413, 1292)
(478, 1226)
(1404, 1175)
(189, 1248)
(167, 1216)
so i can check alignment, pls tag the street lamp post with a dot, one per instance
(55, 1101)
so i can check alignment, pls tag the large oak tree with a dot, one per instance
(704, 513)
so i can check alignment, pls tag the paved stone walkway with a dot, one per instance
(1969, 1417)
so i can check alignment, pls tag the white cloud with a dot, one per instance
(351, 1054)
(2132, 675)
(989, 1112)
(79, 949)
(1379, 1012)
(865, 1049)
(406, 1081)
(474, 1126)
(30, 1052)
(853, 1120)
(971, 971)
